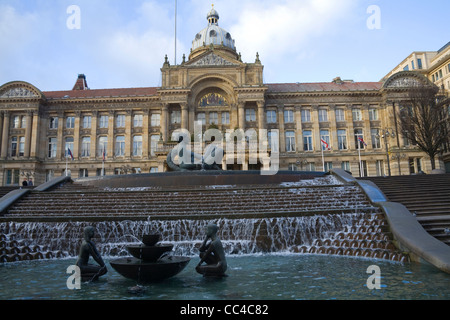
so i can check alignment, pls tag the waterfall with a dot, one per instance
(239, 236)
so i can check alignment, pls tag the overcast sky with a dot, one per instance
(122, 44)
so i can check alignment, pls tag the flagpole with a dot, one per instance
(175, 32)
(323, 159)
(360, 162)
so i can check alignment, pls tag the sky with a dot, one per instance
(122, 44)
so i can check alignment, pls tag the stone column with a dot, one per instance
(333, 129)
(241, 115)
(59, 136)
(316, 128)
(350, 129)
(298, 129)
(35, 135)
(184, 116)
(261, 122)
(94, 120)
(234, 117)
(29, 124)
(128, 135)
(165, 122)
(76, 136)
(111, 122)
(367, 133)
(1, 130)
(281, 128)
(145, 134)
(5, 135)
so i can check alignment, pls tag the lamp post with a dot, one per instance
(386, 134)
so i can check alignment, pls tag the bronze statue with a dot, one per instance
(90, 271)
(212, 254)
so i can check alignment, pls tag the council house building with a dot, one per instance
(89, 132)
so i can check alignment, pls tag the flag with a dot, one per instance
(104, 155)
(325, 144)
(362, 141)
(70, 153)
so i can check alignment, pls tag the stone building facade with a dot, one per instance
(314, 126)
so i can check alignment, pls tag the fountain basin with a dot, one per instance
(150, 239)
(149, 254)
(142, 272)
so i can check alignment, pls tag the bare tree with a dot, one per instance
(422, 122)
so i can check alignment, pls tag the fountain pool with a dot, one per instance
(251, 277)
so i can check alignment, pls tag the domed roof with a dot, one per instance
(213, 34)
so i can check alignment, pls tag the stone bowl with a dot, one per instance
(150, 239)
(144, 272)
(149, 254)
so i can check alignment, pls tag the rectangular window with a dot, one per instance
(13, 146)
(357, 114)
(373, 114)
(273, 140)
(379, 167)
(307, 140)
(323, 115)
(137, 146)
(292, 167)
(104, 121)
(102, 146)
(120, 146)
(325, 140)
(340, 115)
(306, 115)
(376, 142)
(290, 141)
(310, 166)
(271, 116)
(342, 139)
(213, 118)
(359, 139)
(412, 65)
(345, 165)
(87, 120)
(83, 173)
(154, 139)
(288, 116)
(155, 120)
(21, 146)
(225, 118)
(175, 117)
(86, 146)
(419, 63)
(138, 120)
(250, 115)
(328, 166)
(52, 144)
(69, 145)
(120, 121)
(16, 122)
(53, 122)
(201, 117)
(70, 122)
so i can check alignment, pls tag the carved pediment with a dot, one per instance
(211, 59)
(407, 79)
(18, 93)
(19, 90)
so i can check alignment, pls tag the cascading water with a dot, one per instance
(239, 236)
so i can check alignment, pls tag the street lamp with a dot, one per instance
(386, 134)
